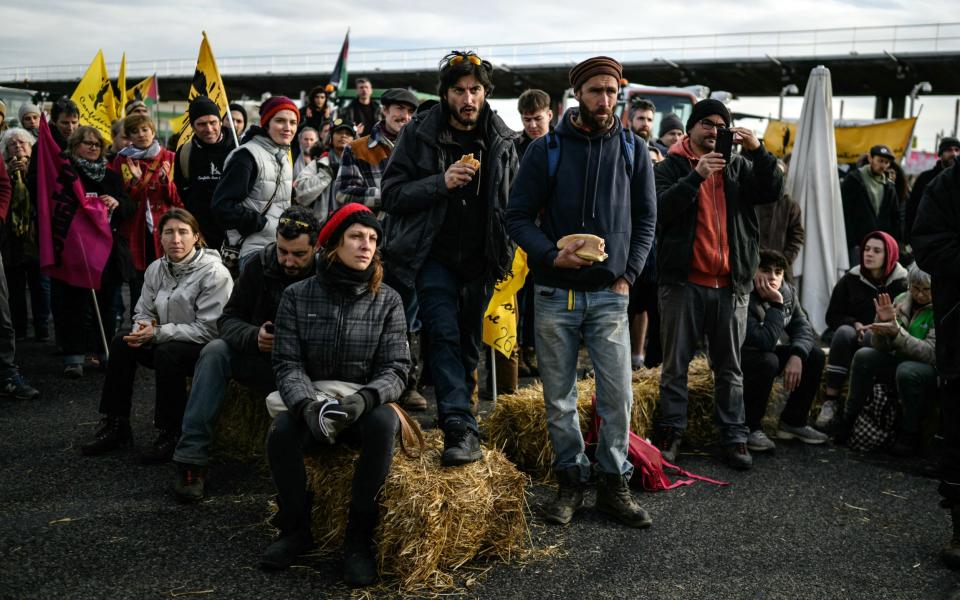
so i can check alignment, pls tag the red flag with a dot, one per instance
(75, 235)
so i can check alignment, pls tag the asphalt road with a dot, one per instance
(806, 522)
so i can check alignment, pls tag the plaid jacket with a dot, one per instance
(361, 168)
(322, 334)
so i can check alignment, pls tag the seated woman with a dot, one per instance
(147, 172)
(86, 148)
(851, 310)
(341, 325)
(184, 293)
(903, 352)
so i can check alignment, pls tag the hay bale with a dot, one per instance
(242, 426)
(433, 520)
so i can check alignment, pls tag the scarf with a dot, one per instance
(179, 269)
(20, 222)
(345, 280)
(93, 169)
(137, 154)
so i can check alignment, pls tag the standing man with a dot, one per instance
(948, 151)
(706, 258)
(535, 113)
(602, 185)
(364, 111)
(364, 160)
(641, 118)
(671, 130)
(870, 201)
(199, 166)
(936, 244)
(446, 243)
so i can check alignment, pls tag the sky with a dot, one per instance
(57, 32)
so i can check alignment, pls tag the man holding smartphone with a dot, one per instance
(707, 255)
(246, 340)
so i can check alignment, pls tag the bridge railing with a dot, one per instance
(894, 39)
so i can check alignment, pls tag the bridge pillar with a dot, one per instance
(881, 108)
(898, 108)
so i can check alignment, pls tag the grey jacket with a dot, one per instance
(185, 299)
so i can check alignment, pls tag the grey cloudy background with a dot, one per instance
(59, 32)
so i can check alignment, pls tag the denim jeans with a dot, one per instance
(217, 365)
(451, 311)
(688, 314)
(562, 318)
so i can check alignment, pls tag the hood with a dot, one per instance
(891, 250)
(203, 259)
(898, 272)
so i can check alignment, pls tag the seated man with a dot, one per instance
(246, 341)
(780, 340)
(903, 348)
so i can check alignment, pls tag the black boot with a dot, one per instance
(359, 551)
(615, 499)
(161, 451)
(113, 433)
(569, 497)
(295, 539)
(950, 555)
(412, 399)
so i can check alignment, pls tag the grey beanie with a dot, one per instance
(27, 108)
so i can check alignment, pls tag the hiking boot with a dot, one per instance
(569, 497)
(17, 387)
(806, 434)
(668, 439)
(413, 400)
(73, 371)
(827, 412)
(461, 446)
(615, 499)
(161, 450)
(359, 551)
(285, 550)
(950, 554)
(190, 481)
(113, 433)
(737, 456)
(906, 445)
(759, 442)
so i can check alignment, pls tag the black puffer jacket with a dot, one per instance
(415, 196)
(851, 300)
(750, 178)
(936, 244)
(769, 323)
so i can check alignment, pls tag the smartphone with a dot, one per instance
(724, 143)
(269, 328)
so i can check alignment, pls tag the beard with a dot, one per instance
(462, 119)
(592, 121)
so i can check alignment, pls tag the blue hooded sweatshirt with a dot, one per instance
(594, 194)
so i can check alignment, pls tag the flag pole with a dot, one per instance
(103, 333)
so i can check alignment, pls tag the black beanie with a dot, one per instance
(705, 108)
(201, 106)
(947, 143)
(240, 109)
(669, 123)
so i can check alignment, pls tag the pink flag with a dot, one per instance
(75, 235)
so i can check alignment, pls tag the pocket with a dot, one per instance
(545, 291)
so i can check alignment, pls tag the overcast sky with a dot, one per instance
(55, 32)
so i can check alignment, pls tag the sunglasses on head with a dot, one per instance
(457, 56)
(300, 225)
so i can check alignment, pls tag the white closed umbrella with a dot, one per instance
(812, 182)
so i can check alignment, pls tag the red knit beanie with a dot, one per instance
(274, 105)
(344, 217)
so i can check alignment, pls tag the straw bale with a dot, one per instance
(241, 432)
(433, 519)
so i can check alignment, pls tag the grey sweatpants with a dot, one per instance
(688, 314)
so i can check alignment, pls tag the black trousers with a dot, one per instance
(19, 279)
(759, 371)
(72, 305)
(173, 363)
(288, 441)
(950, 430)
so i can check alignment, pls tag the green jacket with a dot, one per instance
(917, 337)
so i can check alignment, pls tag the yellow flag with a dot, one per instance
(206, 82)
(852, 140)
(94, 97)
(500, 320)
(122, 88)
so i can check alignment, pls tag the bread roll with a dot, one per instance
(468, 159)
(592, 249)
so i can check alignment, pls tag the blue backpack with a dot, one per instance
(627, 147)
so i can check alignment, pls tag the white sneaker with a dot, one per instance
(827, 412)
(806, 434)
(758, 441)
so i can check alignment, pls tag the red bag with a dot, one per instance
(647, 461)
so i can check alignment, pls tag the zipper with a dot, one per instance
(716, 210)
(336, 339)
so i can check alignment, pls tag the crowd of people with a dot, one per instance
(337, 259)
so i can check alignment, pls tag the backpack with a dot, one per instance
(627, 148)
(184, 159)
(649, 468)
(876, 423)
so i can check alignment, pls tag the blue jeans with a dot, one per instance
(451, 311)
(562, 318)
(217, 365)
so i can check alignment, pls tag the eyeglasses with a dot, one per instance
(89, 144)
(300, 225)
(710, 125)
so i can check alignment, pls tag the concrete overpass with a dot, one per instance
(884, 62)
